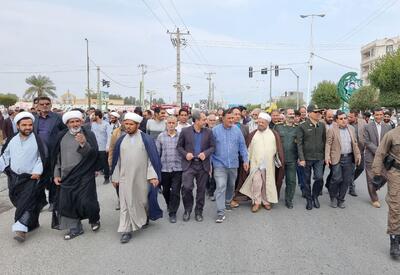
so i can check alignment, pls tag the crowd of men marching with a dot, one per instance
(227, 155)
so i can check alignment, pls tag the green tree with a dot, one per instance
(365, 98)
(325, 95)
(8, 99)
(385, 76)
(39, 86)
(250, 107)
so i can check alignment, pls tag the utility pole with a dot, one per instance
(212, 97)
(151, 93)
(87, 70)
(99, 103)
(210, 88)
(141, 86)
(310, 61)
(177, 41)
(270, 85)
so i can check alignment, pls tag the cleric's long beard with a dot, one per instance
(75, 130)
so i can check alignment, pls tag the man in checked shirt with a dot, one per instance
(171, 172)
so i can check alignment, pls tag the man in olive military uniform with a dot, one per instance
(311, 137)
(288, 133)
(389, 151)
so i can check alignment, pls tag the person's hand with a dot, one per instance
(97, 173)
(80, 138)
(202, 156)
(57, 180)
(189, 156)
(328, 162)
(302, 163)
(154, 182)
(246, 166)
(35, 176)
(358, 162)
(115, 184)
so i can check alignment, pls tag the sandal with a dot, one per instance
(70, 235)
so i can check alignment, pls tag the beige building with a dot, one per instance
(371, 52)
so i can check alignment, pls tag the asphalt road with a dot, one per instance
(281, 241)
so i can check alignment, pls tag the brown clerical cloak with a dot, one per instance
(279, 172)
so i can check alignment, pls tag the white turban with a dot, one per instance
(265, 116)
(22, 115)
(132, 116)
(115, 114)
(71, 114)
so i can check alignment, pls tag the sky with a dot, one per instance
(226, 37)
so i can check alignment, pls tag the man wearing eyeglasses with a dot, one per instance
(311, 136)
(341, 154)
(47, 125)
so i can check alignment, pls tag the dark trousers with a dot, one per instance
(329, 177)
(317, 167)
(171, 183)
(195, 171)
(290, 180)
(211, 186)
(358, 171)
(342, 176)
(300, 176)
(103, 160)
(48, 184)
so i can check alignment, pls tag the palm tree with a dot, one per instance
(40, 86)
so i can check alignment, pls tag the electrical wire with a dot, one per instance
(336, 63)
(155, 15)
(368, 20)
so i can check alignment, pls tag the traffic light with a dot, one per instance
(264, 71)
(105, 83)
(276, 70)
(250, 72)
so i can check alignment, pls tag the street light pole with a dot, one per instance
(310, 64)
(87, 69)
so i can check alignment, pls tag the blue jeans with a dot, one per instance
(300, 176)
(225, 181)
(317, 166)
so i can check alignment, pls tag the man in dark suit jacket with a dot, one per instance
(195, 145)
(8, 128)
(47, 125)
(373, 134)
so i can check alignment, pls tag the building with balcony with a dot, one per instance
(372, 51)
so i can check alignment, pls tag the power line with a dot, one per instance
(41, 72)
(375, 14)
(155, 15)
(113, 80)
(167, 13)
(336, 63)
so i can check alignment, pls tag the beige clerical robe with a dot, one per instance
(262, 150)
(133, 172)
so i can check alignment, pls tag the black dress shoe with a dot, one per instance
(316, 202)
(95, 226)
(309, 205)
(186, 216)
(289, 204)
(198, 217)
(126, 237)
(172, 219)
(352, 192)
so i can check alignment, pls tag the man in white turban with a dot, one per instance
(266, 156)
(136, 170)
(21, 160)
(75, 165)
